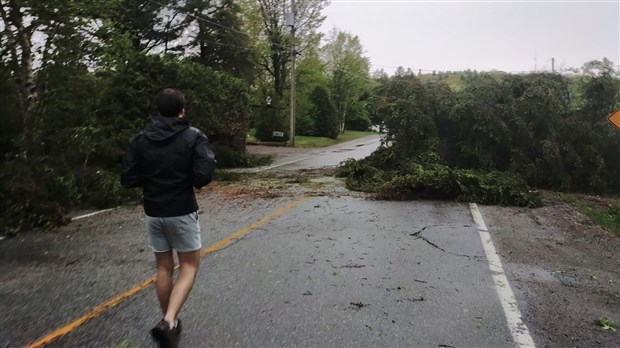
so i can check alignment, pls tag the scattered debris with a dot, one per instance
(357, 305)
(412, 299)
(353, 266)
(307, 293)
(72, 262)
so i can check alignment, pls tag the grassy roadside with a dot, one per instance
(603, 211)
(304, 141)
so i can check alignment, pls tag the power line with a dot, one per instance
(355, 75)
(396, 67)
(187, 13)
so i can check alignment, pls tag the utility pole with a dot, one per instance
(552, 64)
(293, 54)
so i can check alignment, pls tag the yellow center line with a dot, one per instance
(56, 334)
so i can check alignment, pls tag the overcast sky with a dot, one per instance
(482, 35)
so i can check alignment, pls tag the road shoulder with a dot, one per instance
(564, 271)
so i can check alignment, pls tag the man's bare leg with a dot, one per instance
(164, 263)
(189, 263)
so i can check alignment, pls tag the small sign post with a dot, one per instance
(615, 119)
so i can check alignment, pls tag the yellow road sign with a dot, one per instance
(615, 118)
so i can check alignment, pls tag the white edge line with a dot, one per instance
(79, 217)
(91, 214)
(518, 329)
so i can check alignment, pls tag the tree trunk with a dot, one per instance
(21, 63)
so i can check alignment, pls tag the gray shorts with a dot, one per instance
(179, 232)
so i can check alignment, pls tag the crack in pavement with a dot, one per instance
(419, 235)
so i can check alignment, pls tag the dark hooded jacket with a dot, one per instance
(167, 159)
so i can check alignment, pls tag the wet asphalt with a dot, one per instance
(332, 271)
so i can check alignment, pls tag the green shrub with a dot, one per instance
(103, 190)
(501, 188)
(419, 182)
(271, 119)
(33, 196)
(229, 158)
(414, 180)
(360, 175)
(223, 175)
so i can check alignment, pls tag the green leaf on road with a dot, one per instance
(606, 324)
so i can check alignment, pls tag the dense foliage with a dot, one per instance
(399, 179)
(492, 136)
(78, 78)
(81, 125)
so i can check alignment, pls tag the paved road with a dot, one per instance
(296, 158)
(305, 270)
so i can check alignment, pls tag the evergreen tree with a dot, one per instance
(146, 24)
(220, 41)
(324, 113)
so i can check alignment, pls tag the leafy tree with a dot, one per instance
(310, 75)
(599, 67)
(404, 106)
(55, 23)
(529, 125)
(600, 96)
(71, 98)
(348, 70)
(480, 122)
(266, 20)
(17, 50)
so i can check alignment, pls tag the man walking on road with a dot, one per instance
(168, 159)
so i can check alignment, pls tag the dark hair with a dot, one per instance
(170, 102)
